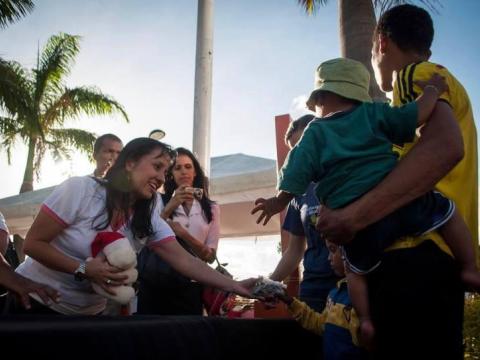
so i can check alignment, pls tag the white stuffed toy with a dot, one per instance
(119, 253)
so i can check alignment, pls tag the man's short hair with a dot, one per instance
(101, 139)
(296, 125)
(409, 27)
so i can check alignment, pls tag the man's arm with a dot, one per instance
(3, 242)
(290, 258)
(437, 152)
(22, 286)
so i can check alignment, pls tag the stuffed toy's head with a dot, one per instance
(116, 248)
(119, 253)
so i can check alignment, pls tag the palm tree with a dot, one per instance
(12, 10)
(36, 105)
(357, 22)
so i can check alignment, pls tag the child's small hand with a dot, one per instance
(268, 208)
(437, 81)
(285, 298)
(272, 301)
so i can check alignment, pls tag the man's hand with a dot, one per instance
(337, 226)
(268, 207)
(23, 286)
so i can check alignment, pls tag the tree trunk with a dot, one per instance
(357, 23)
(27, 184)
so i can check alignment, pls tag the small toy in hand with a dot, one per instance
(119, 253)
(266, 288)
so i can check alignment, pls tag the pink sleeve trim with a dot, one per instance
(53, 215)
(155, 243)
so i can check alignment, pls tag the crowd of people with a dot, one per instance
(382, 207)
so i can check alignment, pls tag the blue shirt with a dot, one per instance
(337, 336)
(318, 276)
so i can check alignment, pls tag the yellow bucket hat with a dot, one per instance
(344, 77)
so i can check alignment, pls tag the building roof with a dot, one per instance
(236, 181)
(239, 164)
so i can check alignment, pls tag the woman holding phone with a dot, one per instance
(195, 220)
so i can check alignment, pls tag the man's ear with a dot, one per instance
(382, 43)
(310, 104)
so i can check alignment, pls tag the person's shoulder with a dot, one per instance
(422, 67)
(86, 181)
(420, 71)
(76, 181)
(405, 89)
(431, 67)
(82, 184)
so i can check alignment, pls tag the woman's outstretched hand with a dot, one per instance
(244, 287)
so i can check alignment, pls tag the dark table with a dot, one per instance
(154, 337)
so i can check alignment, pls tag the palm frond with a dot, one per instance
(15, 88)
(311, 6)
(9, 126)
(78, 101)
(7, 144)
(55, 64)
(384, 5)
(66, 139)
(9, 129)
(12, 10)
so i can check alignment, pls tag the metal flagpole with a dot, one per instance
(203, 84)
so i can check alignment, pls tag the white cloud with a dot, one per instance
(298, 107)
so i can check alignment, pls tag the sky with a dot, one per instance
(142, 53)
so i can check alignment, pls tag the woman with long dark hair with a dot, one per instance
(192, 215)
(126, 201)
(195, 219)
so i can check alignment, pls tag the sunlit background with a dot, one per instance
(143, 53)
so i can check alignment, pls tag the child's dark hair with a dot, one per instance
(297, 125)
(321, 96)
(199, 181)
(118, 188)
(409, 27)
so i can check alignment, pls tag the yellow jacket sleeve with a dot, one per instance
(307, 317)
